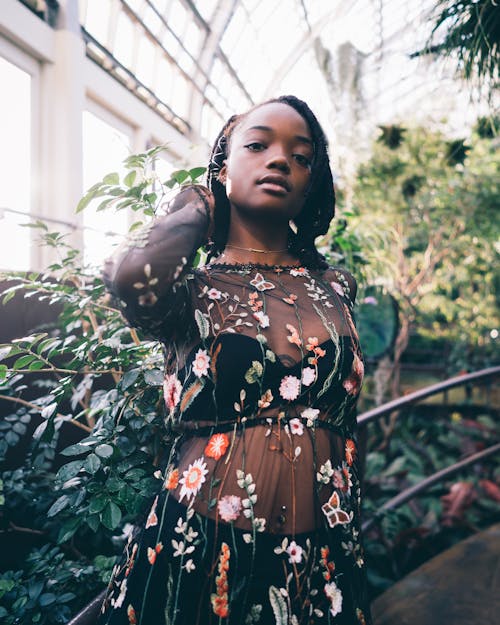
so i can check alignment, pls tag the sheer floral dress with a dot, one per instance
(257, 516)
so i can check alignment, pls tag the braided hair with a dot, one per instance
(319, 206)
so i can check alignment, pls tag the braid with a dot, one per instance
(318, 210)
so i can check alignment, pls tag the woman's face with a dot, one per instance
(269, 164)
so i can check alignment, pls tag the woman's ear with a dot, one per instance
(222, 177)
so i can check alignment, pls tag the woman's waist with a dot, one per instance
(295, 417)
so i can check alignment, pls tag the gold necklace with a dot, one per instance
(252, 249)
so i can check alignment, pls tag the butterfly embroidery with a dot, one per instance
(333, 513)
(260, 283)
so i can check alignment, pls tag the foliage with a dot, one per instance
(444, 514)
(98, 386)
(427, 212)
(470, 30)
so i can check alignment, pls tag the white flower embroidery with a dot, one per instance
(214, 293)
(296, 427)
(338, 289)
(261, 318)
(334, 595)
(290, 387)
(325, 472)
(201, 363)
(308, 376)
(192, 479)
(310, 414)
(294, 552)
(118, 602)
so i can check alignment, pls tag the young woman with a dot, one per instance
(257, 516)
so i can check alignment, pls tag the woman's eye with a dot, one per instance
(255, 146)
(302, 160)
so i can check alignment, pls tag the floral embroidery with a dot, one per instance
(261, 318)
(342, 478)
(152, 553)
(214, 294)
(296, 427)
(229, 508)
(291, 299)
(308, 376)
(152, 519)
(294, 335)
(132, 618)
(328, 567)
(334, 595)
(266, 399)
(220, 603)
(338, 289)
(295, 553)
(310, 414)
(298, 271)
(352, 384)
(350, 451)
(192, 479)
(172, 480)
(172, 391)
(290, 387)
(201, 363)
(217, 446)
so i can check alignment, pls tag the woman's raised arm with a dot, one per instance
(146, 273)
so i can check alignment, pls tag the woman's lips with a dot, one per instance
(275, 183)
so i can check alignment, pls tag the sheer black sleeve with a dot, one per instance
(147, 273)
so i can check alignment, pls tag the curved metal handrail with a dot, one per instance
(411, 398)
(434, 389)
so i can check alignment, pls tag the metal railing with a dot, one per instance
(412, 398)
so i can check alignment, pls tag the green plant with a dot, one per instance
(97, 385)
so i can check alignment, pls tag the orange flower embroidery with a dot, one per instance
(350, 451)
(132, 618)
(219, 599)
(152, 518)
(172, 480)
(217, 446)
(328, 567)
(152, 553)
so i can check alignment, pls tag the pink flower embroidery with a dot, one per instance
(290, 387)
(229, 508)
(298, 271)
(338, 289)
(308, 376)
(201, 363)
(352, 384)
(172, 391)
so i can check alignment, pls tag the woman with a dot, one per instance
(257, 517)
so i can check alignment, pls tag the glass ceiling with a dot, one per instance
(199, 61)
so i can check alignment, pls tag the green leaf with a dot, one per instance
(93, 522)
(130, 178)
(129, 378)
(58, 505)
(48, 598)
(97, 504)
(68, 529)
(92, 463)
(278, 605)
(3, 372)
(111, 516)
(112, 178)
(153, 377)
(22, 362)
(196, 172)
(180, 175)
(104, 450)
(67, 471)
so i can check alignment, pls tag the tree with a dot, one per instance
(427, 209)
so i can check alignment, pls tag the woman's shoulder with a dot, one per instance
(342, 277)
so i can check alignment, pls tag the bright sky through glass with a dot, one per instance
(15, 166)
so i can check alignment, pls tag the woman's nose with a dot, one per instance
(279, 161)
